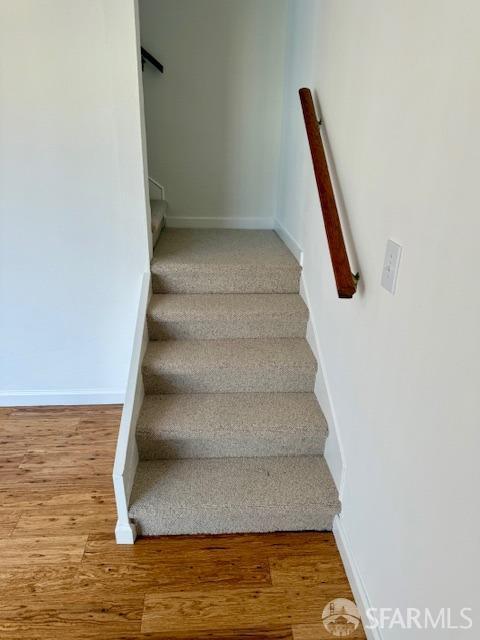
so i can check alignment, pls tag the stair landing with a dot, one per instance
(223, 261)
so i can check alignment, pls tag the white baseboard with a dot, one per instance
(356, 583)
(125, 533)
(177, 222)
(290, 241)
(51, 397)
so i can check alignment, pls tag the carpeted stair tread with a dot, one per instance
(215, 425)
(213, 316)
(158, 209)
(224, 495)
(222, 366)
(223, 261)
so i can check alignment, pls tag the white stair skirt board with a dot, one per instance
(354, 577)
(289, 240)
(158, 210)
(51, 397)
(126, 455)
(334, 452)
(177, 222)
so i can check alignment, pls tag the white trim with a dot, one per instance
(158, 186)
(126, 456)
(51, 397)
(178, 222)
(335, 456)
(356, 583)
(125, 533)
(290, 241)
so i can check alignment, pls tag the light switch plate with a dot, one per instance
(390, 266)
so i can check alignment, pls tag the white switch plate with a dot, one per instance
(390, 266)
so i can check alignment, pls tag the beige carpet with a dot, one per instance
(217, 425)
(230, 434)
(212, 316)
(228, 495)
(223, 261)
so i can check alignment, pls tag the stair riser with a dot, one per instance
(177, 522)
(230, 381)
(213, 330)
(290, 443)
(223, 281)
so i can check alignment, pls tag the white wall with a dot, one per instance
(72, 197)
(213, 119)
(398, 86)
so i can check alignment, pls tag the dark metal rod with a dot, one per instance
(148, 56)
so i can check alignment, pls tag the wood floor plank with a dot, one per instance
(10, 461)
(178, 563)
(54, 439)
(93, 615)
(260, 607)
(25, 580)
(24, 427)
(308, 569)
(319, 632)
(257, 633)
(102, 548)
(15, 551)
(274, 545)
(64, 480)
(55, 460)
(31, 498)
(176, 574)
(65, 412)
(66, 520)
(8, 521)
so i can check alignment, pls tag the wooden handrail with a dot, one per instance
(346, 282)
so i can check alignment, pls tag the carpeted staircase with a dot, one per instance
(230, 435)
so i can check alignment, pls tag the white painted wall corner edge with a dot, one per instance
(353, 574)
(126, 455)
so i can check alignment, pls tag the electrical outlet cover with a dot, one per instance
(390, 266)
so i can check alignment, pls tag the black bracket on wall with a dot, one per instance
(147, 57)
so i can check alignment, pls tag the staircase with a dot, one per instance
(230, 435)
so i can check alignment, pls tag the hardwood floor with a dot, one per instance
(63, 576)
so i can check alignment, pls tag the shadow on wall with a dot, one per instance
(214, 118)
